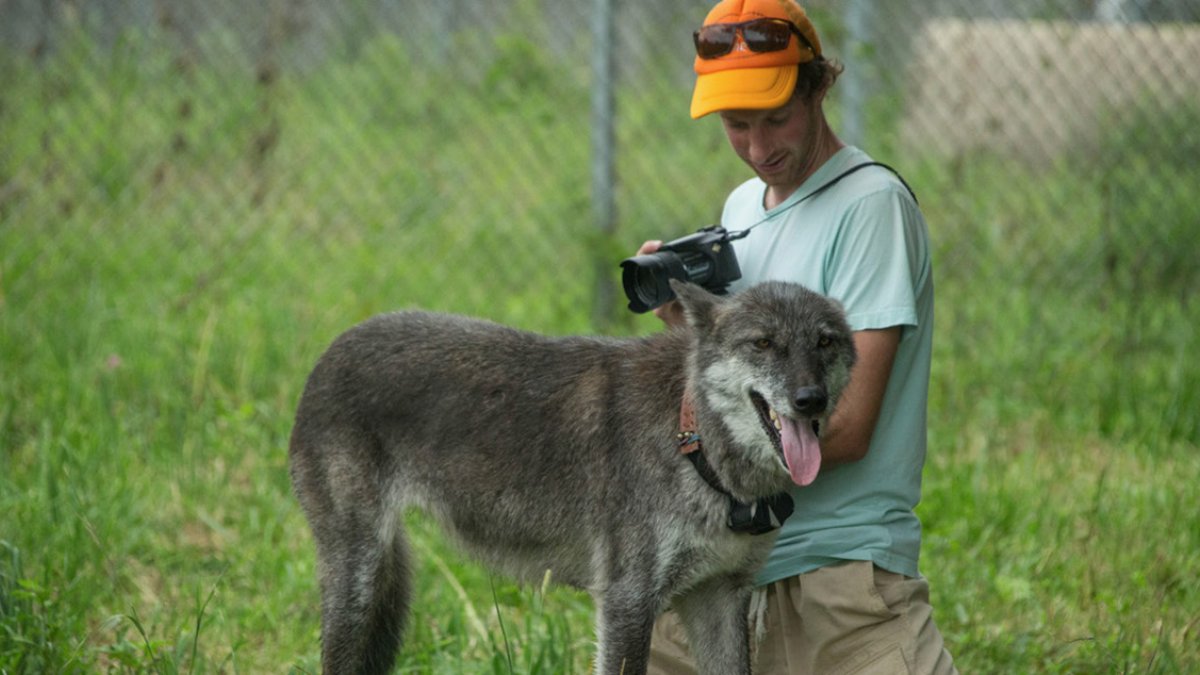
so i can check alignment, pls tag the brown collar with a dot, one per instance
(690, 447)
(689, 436)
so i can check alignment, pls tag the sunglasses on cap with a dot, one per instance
(759, 35)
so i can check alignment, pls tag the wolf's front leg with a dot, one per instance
(624, 619)
(715, 616)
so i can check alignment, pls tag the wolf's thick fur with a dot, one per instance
(540, 453)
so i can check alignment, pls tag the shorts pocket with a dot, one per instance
(877, 603)
(889, 661)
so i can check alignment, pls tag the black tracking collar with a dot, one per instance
(758, 517)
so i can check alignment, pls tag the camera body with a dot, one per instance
(705, 258)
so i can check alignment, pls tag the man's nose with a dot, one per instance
(760, 144)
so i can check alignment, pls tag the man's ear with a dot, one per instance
(699, 306)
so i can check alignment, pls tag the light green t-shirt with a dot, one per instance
(864, 242)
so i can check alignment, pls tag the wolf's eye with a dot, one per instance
(763, 343)
(824, 342)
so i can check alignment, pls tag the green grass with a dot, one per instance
(179, 243)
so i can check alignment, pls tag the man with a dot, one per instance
(842, 590)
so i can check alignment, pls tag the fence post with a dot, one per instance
(1117, 11)
(603, 163)
(854, 82)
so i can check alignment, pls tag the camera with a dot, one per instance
(705, 258)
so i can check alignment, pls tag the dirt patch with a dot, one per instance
(1034, 89)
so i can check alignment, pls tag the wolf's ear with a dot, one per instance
(698, 304)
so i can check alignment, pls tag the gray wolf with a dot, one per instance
(544, 453)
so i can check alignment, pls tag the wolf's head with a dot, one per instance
(767, 367)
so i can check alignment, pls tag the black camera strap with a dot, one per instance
(830, 183)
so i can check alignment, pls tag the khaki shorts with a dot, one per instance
(847, 618)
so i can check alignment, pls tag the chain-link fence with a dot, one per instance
(196, 196)
(499, 158)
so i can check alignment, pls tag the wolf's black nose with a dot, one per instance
(810, 400)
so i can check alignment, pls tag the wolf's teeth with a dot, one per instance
(775, 419)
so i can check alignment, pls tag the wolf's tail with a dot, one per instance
(362, 554)
(364, 609)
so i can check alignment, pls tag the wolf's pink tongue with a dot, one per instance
(801, 449)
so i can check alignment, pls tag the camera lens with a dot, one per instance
(647, 279)
(704, 258)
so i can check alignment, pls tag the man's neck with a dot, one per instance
(828, 145)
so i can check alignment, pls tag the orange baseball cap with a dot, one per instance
(747, 80)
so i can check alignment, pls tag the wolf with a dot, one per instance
(541, 453)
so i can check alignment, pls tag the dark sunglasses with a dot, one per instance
(760, 35)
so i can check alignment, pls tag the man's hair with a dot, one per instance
(816, 76)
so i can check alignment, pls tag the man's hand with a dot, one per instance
(670, 312)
